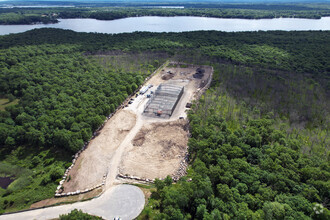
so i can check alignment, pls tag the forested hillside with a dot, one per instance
(298, 51)
(63, 96)
(260, 135)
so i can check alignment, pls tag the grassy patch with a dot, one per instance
(144, 186)
(142, 63)
(37, 173)
(22, 177)
(5, 102)
(150, 210)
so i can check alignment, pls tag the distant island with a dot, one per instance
(33, 12)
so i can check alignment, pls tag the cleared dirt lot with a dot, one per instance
(156, 150)
(94, 161)
(137, 145)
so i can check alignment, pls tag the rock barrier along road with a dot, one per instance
(122, 201)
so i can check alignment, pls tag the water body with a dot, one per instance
(6, 181)
(37, 6)
(176, 24)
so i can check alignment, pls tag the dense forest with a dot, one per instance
(260, 135)
(121, 10)
(63, 97)
(245, 165)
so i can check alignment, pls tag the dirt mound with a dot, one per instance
(139, 138)
(170, 148)
(168, 75)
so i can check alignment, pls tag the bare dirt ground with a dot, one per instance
(94, 161)
(156, 150)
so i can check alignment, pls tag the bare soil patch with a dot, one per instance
(94, 161)
(157, 150)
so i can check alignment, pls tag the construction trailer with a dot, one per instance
(163, 102)
(144, 89)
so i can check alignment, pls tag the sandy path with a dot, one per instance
(115, 161)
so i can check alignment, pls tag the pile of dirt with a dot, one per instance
(168, 75)
(170, 148)
(139, 138)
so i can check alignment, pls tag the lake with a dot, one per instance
(176, 24)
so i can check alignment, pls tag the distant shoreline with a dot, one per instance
(11, 14)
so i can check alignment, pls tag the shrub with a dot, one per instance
(78, 214)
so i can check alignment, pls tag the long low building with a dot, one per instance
(164, 101)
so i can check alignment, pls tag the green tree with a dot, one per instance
(78, 214)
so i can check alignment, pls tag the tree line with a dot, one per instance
(297, 51)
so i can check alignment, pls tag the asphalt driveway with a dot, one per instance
(124, 201)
